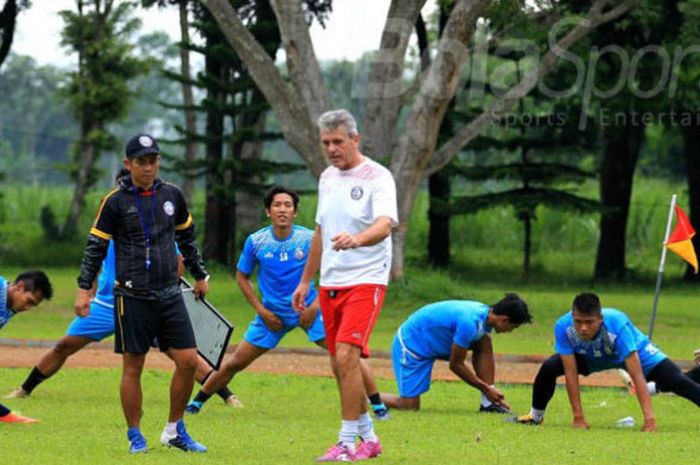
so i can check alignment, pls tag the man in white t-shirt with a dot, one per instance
(352, 246)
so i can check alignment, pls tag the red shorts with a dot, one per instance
(349, 314)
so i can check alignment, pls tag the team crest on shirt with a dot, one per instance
(356, 193)
(169, 208)
(299, 253)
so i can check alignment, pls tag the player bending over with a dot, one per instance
(589, 339)
(447, 330)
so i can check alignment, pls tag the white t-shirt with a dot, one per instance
(351, 201)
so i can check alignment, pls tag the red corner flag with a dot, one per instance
(679, 242)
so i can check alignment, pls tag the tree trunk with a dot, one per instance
(8, 17)
(439, 234)
(292, 112)
(216, 219)
(87, 153)
(691, 151)
(386, 92)
(249, 205)
(188, 102)
(619, 159)
(407, 186)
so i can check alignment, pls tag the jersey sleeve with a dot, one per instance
(106, 220)
(183, 218)
(562, 346)
(246, 262)
(384, 199)
(465, 334)
(185, 237)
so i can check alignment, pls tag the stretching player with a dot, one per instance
(447, 331)
(589, 339)
(279, 251)
(27, 291)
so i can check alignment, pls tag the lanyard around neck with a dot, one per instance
(145, 223)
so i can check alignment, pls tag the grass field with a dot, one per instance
(676, 329)
(290, 420)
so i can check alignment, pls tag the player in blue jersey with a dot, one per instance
(589, 339)
(98, 325)
(447, 330)
(25, 292)
(279, 251)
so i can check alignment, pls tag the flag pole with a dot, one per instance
(662, 263)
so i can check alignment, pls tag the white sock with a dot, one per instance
(651, 387)
(365, 427)
(348, 433)
(171, 428)
(536, 414)
(485, 402)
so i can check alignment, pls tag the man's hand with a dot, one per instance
(271, 320)
(82, 302)
(580, 423)
(299, 297)
(649, 425)
(201, 288)
(496, 396)
(307, 317)
(344, 241)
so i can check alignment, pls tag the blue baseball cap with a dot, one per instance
(141, 145)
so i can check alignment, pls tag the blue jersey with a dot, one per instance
(105, 281)
(431, 331)
(5, 313)
(280, 266)
(616, 339)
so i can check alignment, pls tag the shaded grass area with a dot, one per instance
(676, 330)
(291, 419)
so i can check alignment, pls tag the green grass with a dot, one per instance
(291, 419)
(483, 246)
(676, 329)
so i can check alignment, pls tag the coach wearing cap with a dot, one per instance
(144, 217)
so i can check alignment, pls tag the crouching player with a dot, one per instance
(27, 291)
(589, 339)
(447, 331)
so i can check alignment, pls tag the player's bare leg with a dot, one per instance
(182, 382)
(130, 389)
(245, 354)
(352, 390)
(54, 359)
(380, 409)
(49, 364)
(401, 403)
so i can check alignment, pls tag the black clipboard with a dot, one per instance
(211, 330)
